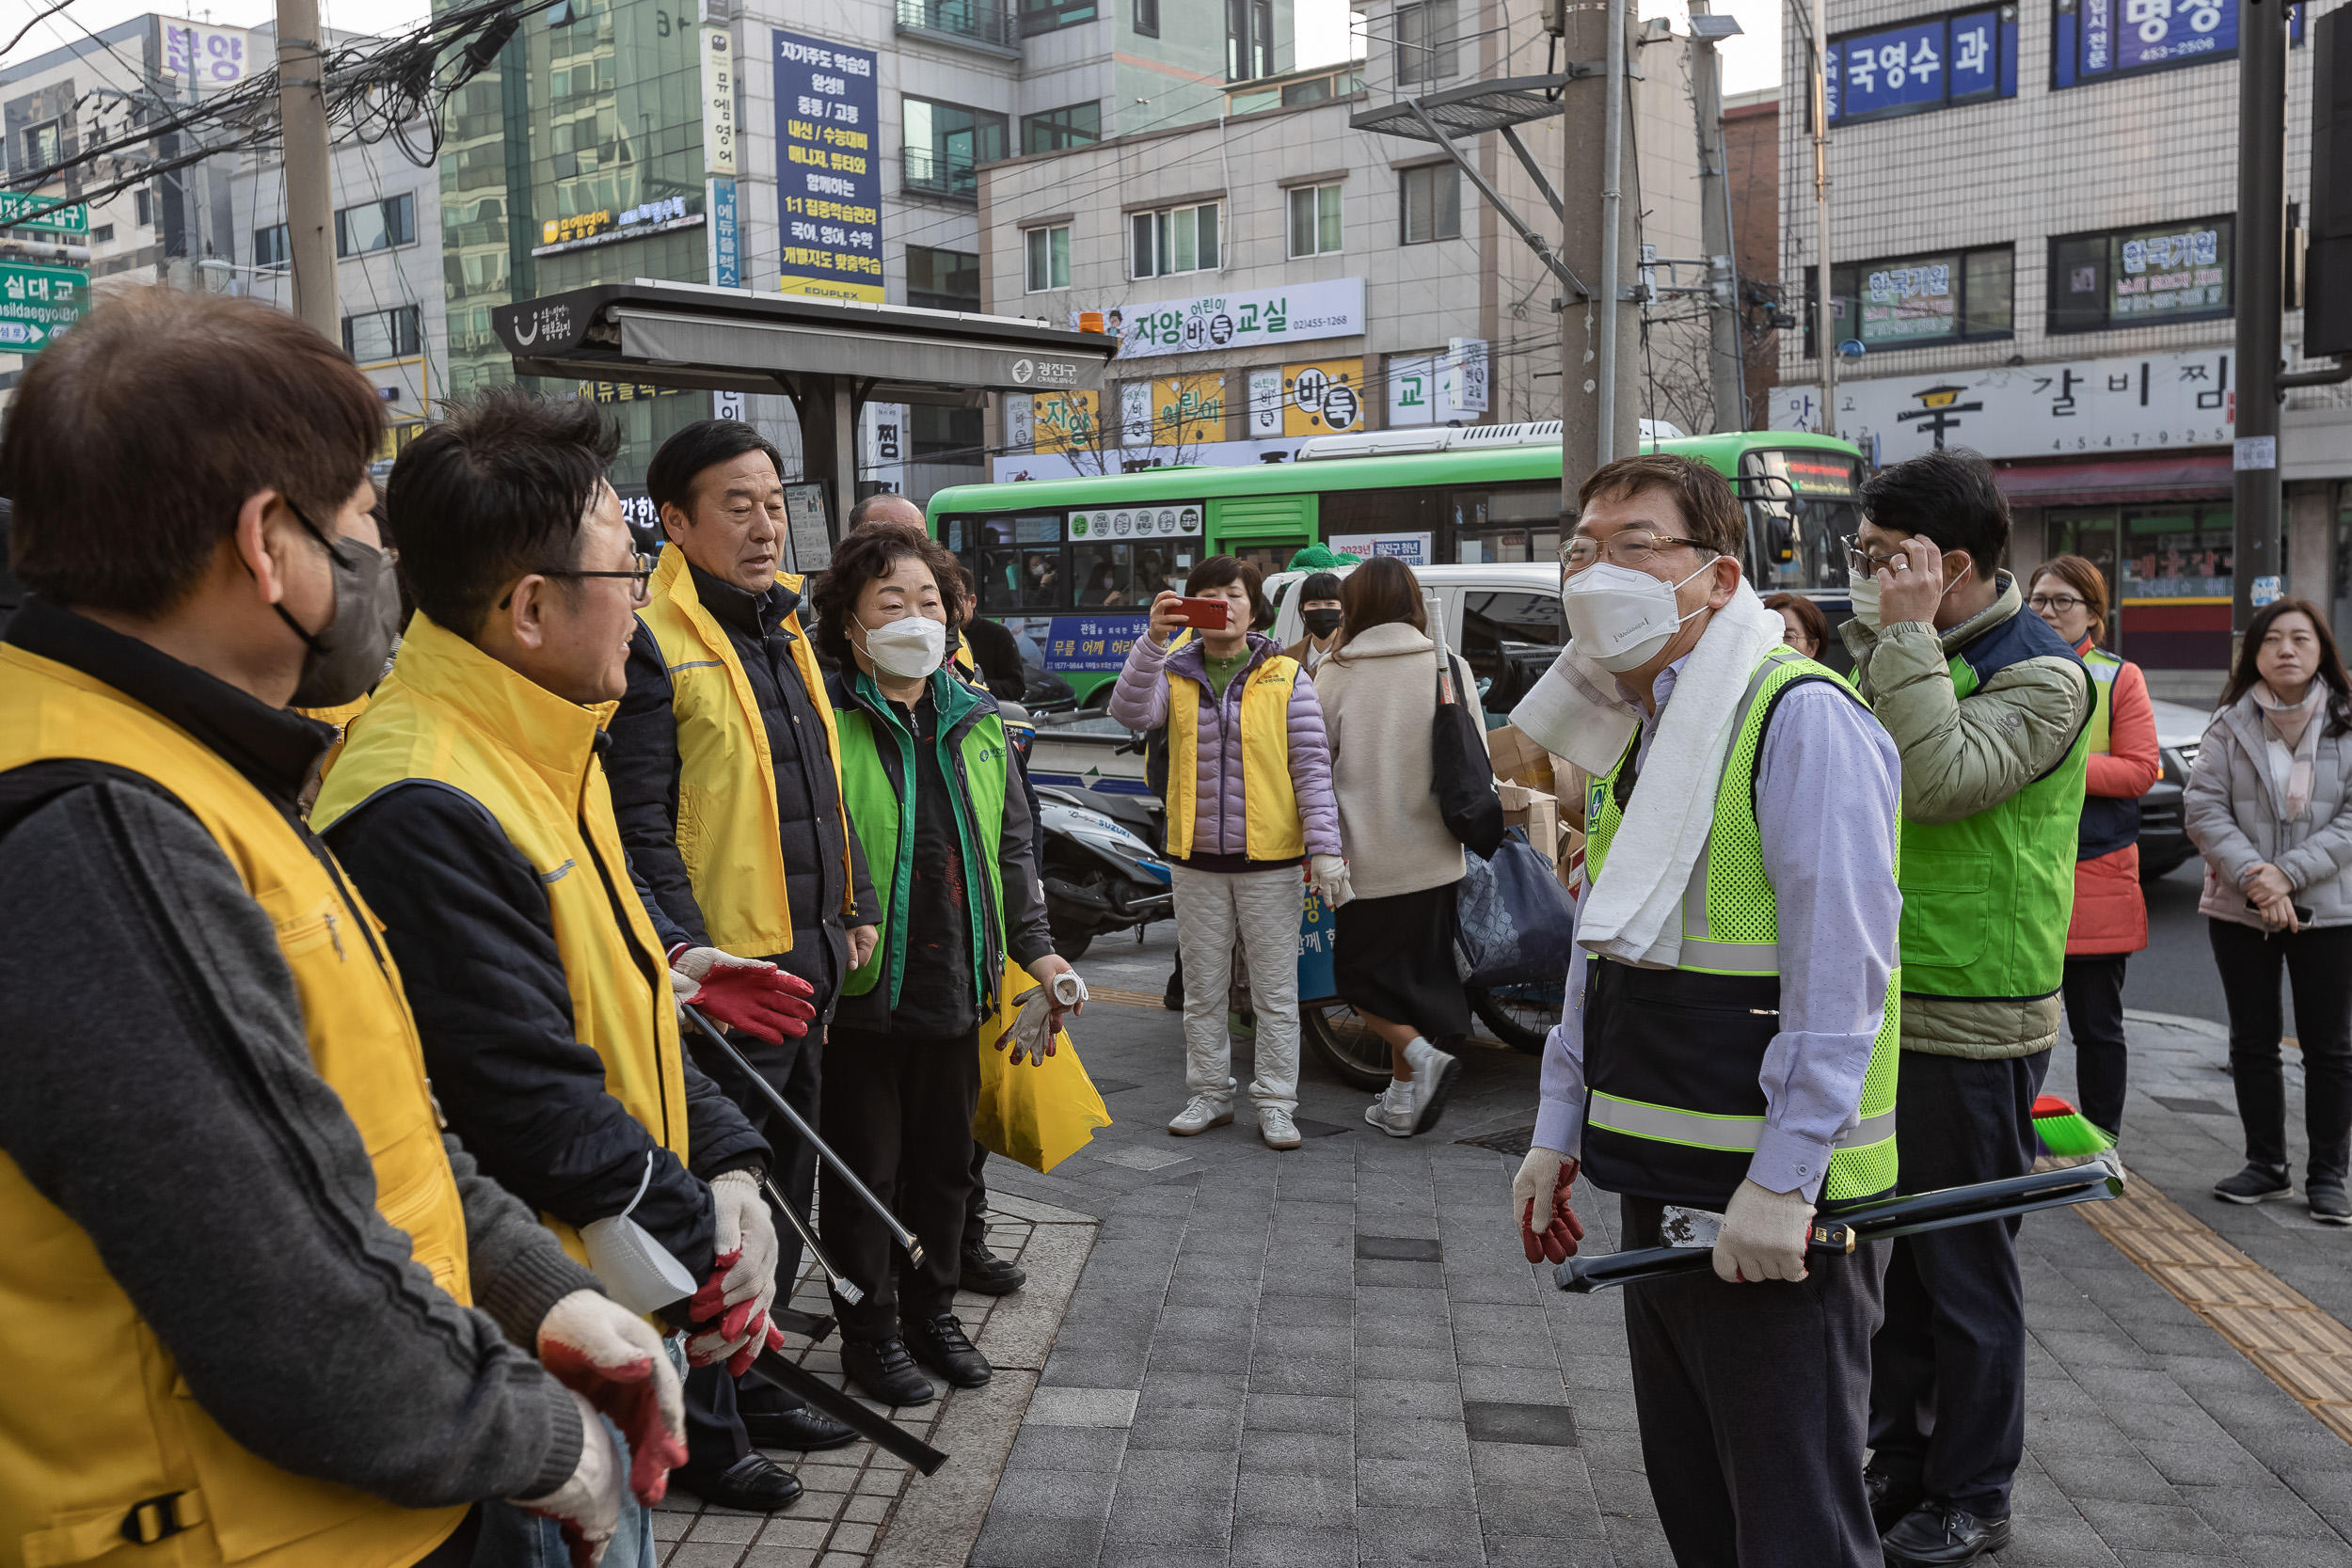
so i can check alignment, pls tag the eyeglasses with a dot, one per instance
(1861, 563)
(641, 585)
(1634, 549)
(2061, 603)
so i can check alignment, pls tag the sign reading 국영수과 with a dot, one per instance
(828, 169)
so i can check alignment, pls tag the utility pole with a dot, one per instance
(1824, 301)
(309, 190)
(1725, 360)
(1600, 341)
(2262, 138)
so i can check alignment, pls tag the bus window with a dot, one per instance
(1800, 506)
(1000, 581)
(1268, 559)
(1037, 530)
(1508, 639)
(997, 531)
(1103, 574)
(1162, 569)
(1508, 523)
(1042, 586)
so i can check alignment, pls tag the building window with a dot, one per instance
(1429, 42)
(1048, 257)
(943, 279)
(1314, 220)
(143, 207)
(1966, 57)
(945, 435)
(103, 234)
(44, 145)
(1433, 202)
(1147, 17)
(1913, 300)
(946, 143)
(1248, 39)
(1182, 238)
(381, 335)
(271, 248)
(1046, 16)
(2141, 277)
(1050, 132)
(376, 226)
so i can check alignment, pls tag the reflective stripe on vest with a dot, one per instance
(729, 831)
(100, 1445)
(1272, 829)
(449, 715)
(1697, 1130)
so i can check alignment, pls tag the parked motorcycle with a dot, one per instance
(1099, 876)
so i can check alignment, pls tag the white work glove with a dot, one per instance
(1763, 1236)
(588, 1506)
(1540, 1192)
(612, 1358)
(1328, 875)
(732, 1305)
(1065, 993)
(1040, 1018)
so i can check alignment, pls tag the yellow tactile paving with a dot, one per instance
(2295, 1343)
(1124, 998)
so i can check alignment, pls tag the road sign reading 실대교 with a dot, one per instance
(37, 304)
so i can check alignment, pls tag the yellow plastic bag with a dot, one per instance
(1038, 1115)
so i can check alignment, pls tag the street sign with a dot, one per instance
(55, 220)
(37, 304)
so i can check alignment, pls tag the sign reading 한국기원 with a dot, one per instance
(829, 168)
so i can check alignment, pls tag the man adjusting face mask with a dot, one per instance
(346, 656)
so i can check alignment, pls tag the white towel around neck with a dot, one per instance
(1577, 711)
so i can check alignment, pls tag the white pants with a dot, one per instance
(1261, 909)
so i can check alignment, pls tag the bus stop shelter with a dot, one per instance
(831, 358)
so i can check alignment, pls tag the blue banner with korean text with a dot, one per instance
(1962, 58)
(1089, 645)
(828, 169)
(2098, 41)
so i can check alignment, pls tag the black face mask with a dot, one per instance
(348, 656)
(1322, 623)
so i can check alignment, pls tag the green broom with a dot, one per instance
(2066, 1132)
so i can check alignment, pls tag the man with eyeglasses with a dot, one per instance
(470, 806)
(1728, 1042)
(1991, 709)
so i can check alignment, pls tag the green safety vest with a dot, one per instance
(1987, 900)
(972, 756)
(1674, 1108)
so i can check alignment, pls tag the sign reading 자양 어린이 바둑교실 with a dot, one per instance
(1245, 318)
(828, 170)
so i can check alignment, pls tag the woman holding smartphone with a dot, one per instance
(2270, 808)
(1248, 781)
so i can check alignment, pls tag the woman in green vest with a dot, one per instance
(946, 829)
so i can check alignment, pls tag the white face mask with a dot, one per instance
(1865, 592)
(909, 648)
(1620, 618)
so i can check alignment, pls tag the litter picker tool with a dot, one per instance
(1830, 1235)
(843, 1285)
(839, 1166)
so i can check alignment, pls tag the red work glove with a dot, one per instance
(613, 1360)
(1546, 1177)
(748, 994)
(732, 1305)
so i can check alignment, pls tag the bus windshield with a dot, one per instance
(1800, 507)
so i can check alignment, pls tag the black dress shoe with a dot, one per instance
(984, 1274)
(1892, 1495)
(1936, 1535)
(801, 1428)
(885, 1370)
(939, 1343)
(756, 1483)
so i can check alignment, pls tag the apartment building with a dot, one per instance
(2032, 216)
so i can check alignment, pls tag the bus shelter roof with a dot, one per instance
(693, 335)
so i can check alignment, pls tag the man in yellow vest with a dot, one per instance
(255, 1304)
(727, 788)
(470, 805)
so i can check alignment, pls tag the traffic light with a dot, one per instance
(2327, 263)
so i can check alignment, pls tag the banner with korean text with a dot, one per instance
(828, 169)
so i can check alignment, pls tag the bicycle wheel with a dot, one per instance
(1520, 1016)
(1345, 1044)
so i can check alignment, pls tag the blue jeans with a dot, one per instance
(515, 1537)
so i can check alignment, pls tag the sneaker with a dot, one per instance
(2255, 1184)
(1276, 1126)
(1202, 1112)
(2330, 1206)
(1393, 1112)
(1434, 1073)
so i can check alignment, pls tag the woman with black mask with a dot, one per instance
(1319, 607)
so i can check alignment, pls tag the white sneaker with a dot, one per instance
(1393, 1112)
(1276, 1126)
(1434, 1073)
(1203, 1112)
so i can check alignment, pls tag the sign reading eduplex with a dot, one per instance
(828, 169)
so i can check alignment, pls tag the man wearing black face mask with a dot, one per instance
(1319, 608)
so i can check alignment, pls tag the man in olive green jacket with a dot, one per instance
(1991, 712)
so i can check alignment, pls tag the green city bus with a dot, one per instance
(1070, 565)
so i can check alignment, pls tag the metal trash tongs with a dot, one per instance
(2100, 1178)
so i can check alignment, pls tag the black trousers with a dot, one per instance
(975, 1209)
(898, 1109)
(2319, 965)
(1754, 1402)
(1948, 1379)
(2094, 990)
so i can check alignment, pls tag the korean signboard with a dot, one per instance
(1174, 520)
(204, 57)
(1054, 423)
(1187, 410)
(2104, 407)
(604, 225)
(47, 216)
(719, 197)
(2161, 274)
(1916, 300)
(2098, 41)
(1245, 319)
(1325, 398)
(1084, 645)
(38, 304)
(1944, 60)
(1412, 389)
(1462, 379)
(1411, 548)
(829, 170)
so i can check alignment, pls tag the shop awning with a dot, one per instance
(2182, 476)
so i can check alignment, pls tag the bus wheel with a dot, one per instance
(1345, 1044)
(1522, 1017)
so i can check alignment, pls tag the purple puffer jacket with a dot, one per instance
(1220, 826)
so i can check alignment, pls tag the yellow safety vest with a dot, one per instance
(102, 1443)
(341, 717)
(451, 714)
(1272, 830)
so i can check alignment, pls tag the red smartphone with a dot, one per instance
(1205, 614)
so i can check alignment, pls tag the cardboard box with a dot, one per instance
(1519, 759)
(1536, 812)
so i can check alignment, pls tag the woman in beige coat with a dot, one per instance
(1393, 957)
